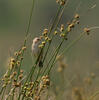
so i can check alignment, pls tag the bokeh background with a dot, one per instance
(82, 58)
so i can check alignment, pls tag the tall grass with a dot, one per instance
(15, 85)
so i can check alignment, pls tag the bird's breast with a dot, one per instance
(35, 50)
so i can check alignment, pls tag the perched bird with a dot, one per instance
(36, 50)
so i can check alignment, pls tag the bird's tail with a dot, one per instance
(40, 63)
(41, 60)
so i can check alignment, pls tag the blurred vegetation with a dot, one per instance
(82, 59)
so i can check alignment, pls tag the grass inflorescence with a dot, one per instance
(15, 85)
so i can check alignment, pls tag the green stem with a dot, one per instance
(59, 14)
(72, 43)
(27, 31)
(66, 33)
(51, 59)
(28, 28)
(69, 46)
(30, 18)
(55, 19)
(36, 77)
(55, 56)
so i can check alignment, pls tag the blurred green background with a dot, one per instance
(82, 58)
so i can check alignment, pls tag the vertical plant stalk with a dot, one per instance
(28, 29)
(55, 52)
(51, 28)
(24, 44)
(73, 43)
(77, 39)
(29, 22)
(27, 32)
(69, 46)
(55, 56)
(30, 74)
(56, 20)
(34, 66)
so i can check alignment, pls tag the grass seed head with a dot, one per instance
(16, 54)
(12, 60)
(45, 32)
(62, 2)
(68, 29)
(14, 73)
(20, 76)
(43, 42)
(24, 48)
(62, 28)
(55, 33)
(72, 25)
(62, 35)
(41, 46)
(77, 22)
(18, 63)
(20, 52)
(76, 16)
(87, 30)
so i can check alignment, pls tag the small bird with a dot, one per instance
(36, 50)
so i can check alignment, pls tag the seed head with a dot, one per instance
(68, 29)
(20, 76)
(55, 32)
(87, 30)
(45, 32)
(76, 16)
(71, 25)
(62, 2)
(62, 28)
(77, 22)
(13, 60)
(24, 48)
(41, 46)
(20, 52)
(16, 53)
(21, 58)
(62, 35)
(46, 38)
(43, 43)
(14, 73)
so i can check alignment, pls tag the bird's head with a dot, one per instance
(36, 40)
